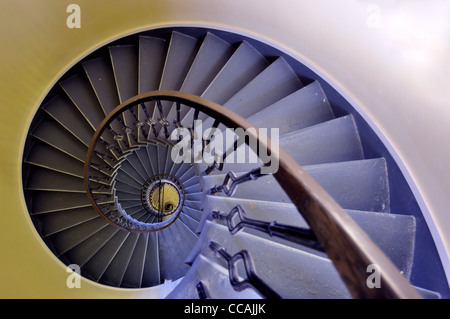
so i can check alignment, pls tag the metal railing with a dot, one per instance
(331, 229)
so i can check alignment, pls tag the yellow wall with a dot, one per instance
(389, 75)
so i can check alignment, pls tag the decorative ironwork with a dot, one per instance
(202, 291)
(162, 119)
(344, 242)
(252, 281)
(237, 220)
(231, 181)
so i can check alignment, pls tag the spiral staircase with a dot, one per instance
(153, 220)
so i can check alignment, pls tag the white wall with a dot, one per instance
(391, 58)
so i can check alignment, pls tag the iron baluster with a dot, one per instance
(100, 188)
(113, 149)
(202, 291)
(147, 115)
(192, 131)
(213, 166)
(219, 164)
(140, 124)
(128, 130)
(148, 121)
(162, 119)
(151, 123)
(177, 122)
(237, 220)
(133, 113)
(102, 197)
(102, 167)
(103, 156)
(130, 133)
(165, 123)
(213, 127)
(99, 178)
(206, 141)
(231, 181)
(252, 281)
(107, 208)
(119, 140)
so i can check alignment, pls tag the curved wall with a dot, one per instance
(390, 59)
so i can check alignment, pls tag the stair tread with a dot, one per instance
(214, 277)
(192, 185)
(366, 180)
(52, 223)
(101, 77)
(151, 272)
(333, 141)
(97, 264)
(124, 60)
(83, 97)
(194, 196)
(212, 55)
(144, 160)
(162, 155)
(244, 65)
(65, 113)
(47, 156)
(186, 175)
(65, 240)
(122, 196)
(393, 233)
(129, 169)
(358, 185)
(190, 222)
(193, 213)
(277, 81)
(152, 54)
(336, 140)
(84, 250)
(49, 180)
(180, 56)
(125, 178)
(46, 202)
(133, 274)
(193, 204)
(138, 166)
(299, 274)
(52, 133)
(126, 188)
(113, 275)
(209, 60)
(175, 243)
(152, 154)
(306, 107)
(182, 170)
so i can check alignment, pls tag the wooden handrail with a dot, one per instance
(346, 244)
